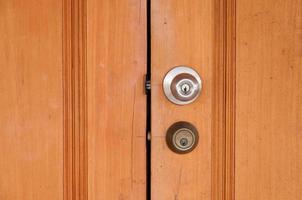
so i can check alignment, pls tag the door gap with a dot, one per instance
(148, 103)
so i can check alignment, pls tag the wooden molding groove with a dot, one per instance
(224, 96)
(75, 100)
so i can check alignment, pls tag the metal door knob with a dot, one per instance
(182, 137)
(182, 85)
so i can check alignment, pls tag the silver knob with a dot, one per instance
(182, 85)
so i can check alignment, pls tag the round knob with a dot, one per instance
(182, 85)
(182, 137)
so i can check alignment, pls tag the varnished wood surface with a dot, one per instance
(269, 100)
(116, 55)
(75, 99)
(61, 126)
(182, 34)
(224, 100)
(31, 100)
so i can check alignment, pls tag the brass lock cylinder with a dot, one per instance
(182, 137)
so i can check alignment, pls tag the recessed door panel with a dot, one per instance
(269, 101)
(31, 100)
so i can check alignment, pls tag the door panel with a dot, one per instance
(72, 85)
(269, 101)
(181, 34)
(31, 102)
(116, 41)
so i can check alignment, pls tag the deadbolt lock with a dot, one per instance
(182, 137)
(182, 85)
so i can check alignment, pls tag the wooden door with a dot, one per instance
(75, 118)
(249, 55)
(72, 120)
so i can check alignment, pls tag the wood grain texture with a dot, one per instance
(31, 122)
(116, 55)
(182, 34)
(75, 100)
(230, 99)
(269, 100)
(224, 96)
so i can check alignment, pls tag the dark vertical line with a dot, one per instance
(148, 118)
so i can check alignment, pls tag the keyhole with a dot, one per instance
(185, 88)
(183, 142)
